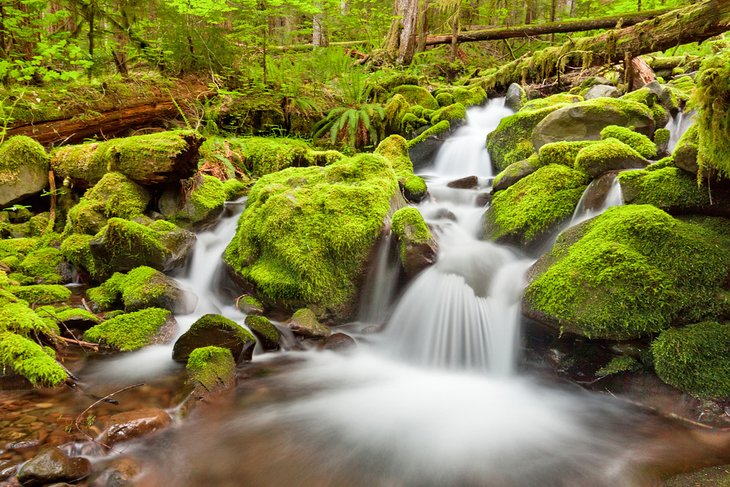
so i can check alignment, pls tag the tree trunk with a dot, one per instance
(423, 27)
(641, 73)
(694, 23)
(498, 33)
(400, 43)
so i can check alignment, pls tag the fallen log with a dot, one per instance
(694, 23)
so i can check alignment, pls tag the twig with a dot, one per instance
(94, 404)
(80, 343)
(52, 184)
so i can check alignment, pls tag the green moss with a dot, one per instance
(694, 359)
(43, 265)
(474, 95)
(452, 113)
(75, 249)
(511, 141)
(606, 155)
(18, 318)
(670, 189)
(41, 293)
(306, 232)
(516, 171)
(304, 322)
(268, 155)
(211, 367)
(119, 196)
(53, 315)
(129, 331)
(204, 201)
(533, 205)
(415, 188)
(395, 149)
(661, 138)
(396, 110)
(648, 98)
(417, 110)
(27, 358)
(109, 294)
(263, 327)
(661, 164)
(632, 271)
(410, 228)
(17, 246)
(639, 142)
(79, 162)
(235, 188)
(444, 99)
(439, 128)
(562, 152)
(618, 365)
(17, 152)
(416, 95)
(560, 99)
(712, 101)
(86, 217)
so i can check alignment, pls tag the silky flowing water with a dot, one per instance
(440, 396)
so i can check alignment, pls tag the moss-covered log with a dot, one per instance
(694, 23)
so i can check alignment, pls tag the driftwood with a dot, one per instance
(694, 23)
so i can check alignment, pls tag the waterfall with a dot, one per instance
(677, 126)
(601, 194)
(379, 289)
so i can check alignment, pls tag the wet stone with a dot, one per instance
(338, 342)
(469, 182)
(134, 424)
(53, 465)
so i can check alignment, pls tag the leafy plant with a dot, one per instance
(358, 127)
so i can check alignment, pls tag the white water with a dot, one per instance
(583, 211)
(677, 126)
(380, 285)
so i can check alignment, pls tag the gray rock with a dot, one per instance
(338, 342)
(305, 323)
(600, 91)
(51, 465)
(513, 173)
(468, 182)
(515, 96)
(24, 168)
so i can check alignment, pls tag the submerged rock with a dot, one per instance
(134, 424)
(24, 168)
(215, 330)
(268, 335)
(630, 272)
(211, 369)
(304, 323)
(468, 182)
(51, 465)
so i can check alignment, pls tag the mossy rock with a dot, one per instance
(24, 168)
(608, 155)
(511, 141)
(400, 115)
(712, 101)
(416, 244)
(586, 119)
(417, 95)
(686, 152)
(639, 142)
(515, 97)
(215, 330)
(76, 250)
(306, 233)
(671, 189)
(424, 146)
(17, 317)
(444, 99)
(28, 359)
(454, 114)
(533, 206)
(201, 203)
(395, 149)
(414, 188)
(43, 265)
(560, 99)
(471, 96)
(41, 293)
(694, 359)
(562, 152)
(212, 368)
(266, 155)
(268, 335)
(146, 159)
(305, 324)
(651, 99)
(516, 171)
(661, 141)
(250, 305)
(630, 272)
(235, 188)
(70, 316)
(123, 245)
(119, 196)
(619, 365)
(132, 331)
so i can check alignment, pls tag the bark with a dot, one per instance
(400, 43)
(694, 23)
(641, 73)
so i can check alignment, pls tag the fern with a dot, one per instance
(357, 127)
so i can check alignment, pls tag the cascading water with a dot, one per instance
(601, 194)
(379, 290)
(677, 126)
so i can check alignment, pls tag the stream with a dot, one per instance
(441, 396)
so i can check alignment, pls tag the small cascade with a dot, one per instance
(381, 283)
(677, 126)
(601, 194)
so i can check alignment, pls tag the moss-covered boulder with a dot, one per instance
(16, 316)
(562, 152)
(69, 316)
(41, 293)
(424, 146)
(123, 245)
(533, 206)
(304, 323)
(266, 155)
(30, 360)
(511, 141)
(514, 172)
(685, 154)
(608, 155)
(632, 271)
(44, 266)
(212, 369)
(306, 233)
(215, 330)
(473, 95)
(416, 244)
(649, 96)
(454, 114)
(264, 330)
(585, 120)
(417, 95)
(395, 149)
(199, 199)
(444, 99)
(639, 142)
(560, 99)
(24, 168)
(673, 190)
(146, 159)
(115, 195)
(249, 304)
(515, 97)
(694, 359)
(132, 331)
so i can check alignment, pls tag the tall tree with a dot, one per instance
(400, 43)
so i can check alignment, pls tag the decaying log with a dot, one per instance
(640, 73)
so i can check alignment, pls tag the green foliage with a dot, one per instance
(129, 331)
(27, 358)
(712, 100)
(618, 365)
(694, 359)
(358, 127)
(632, 271)
(532, 206)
